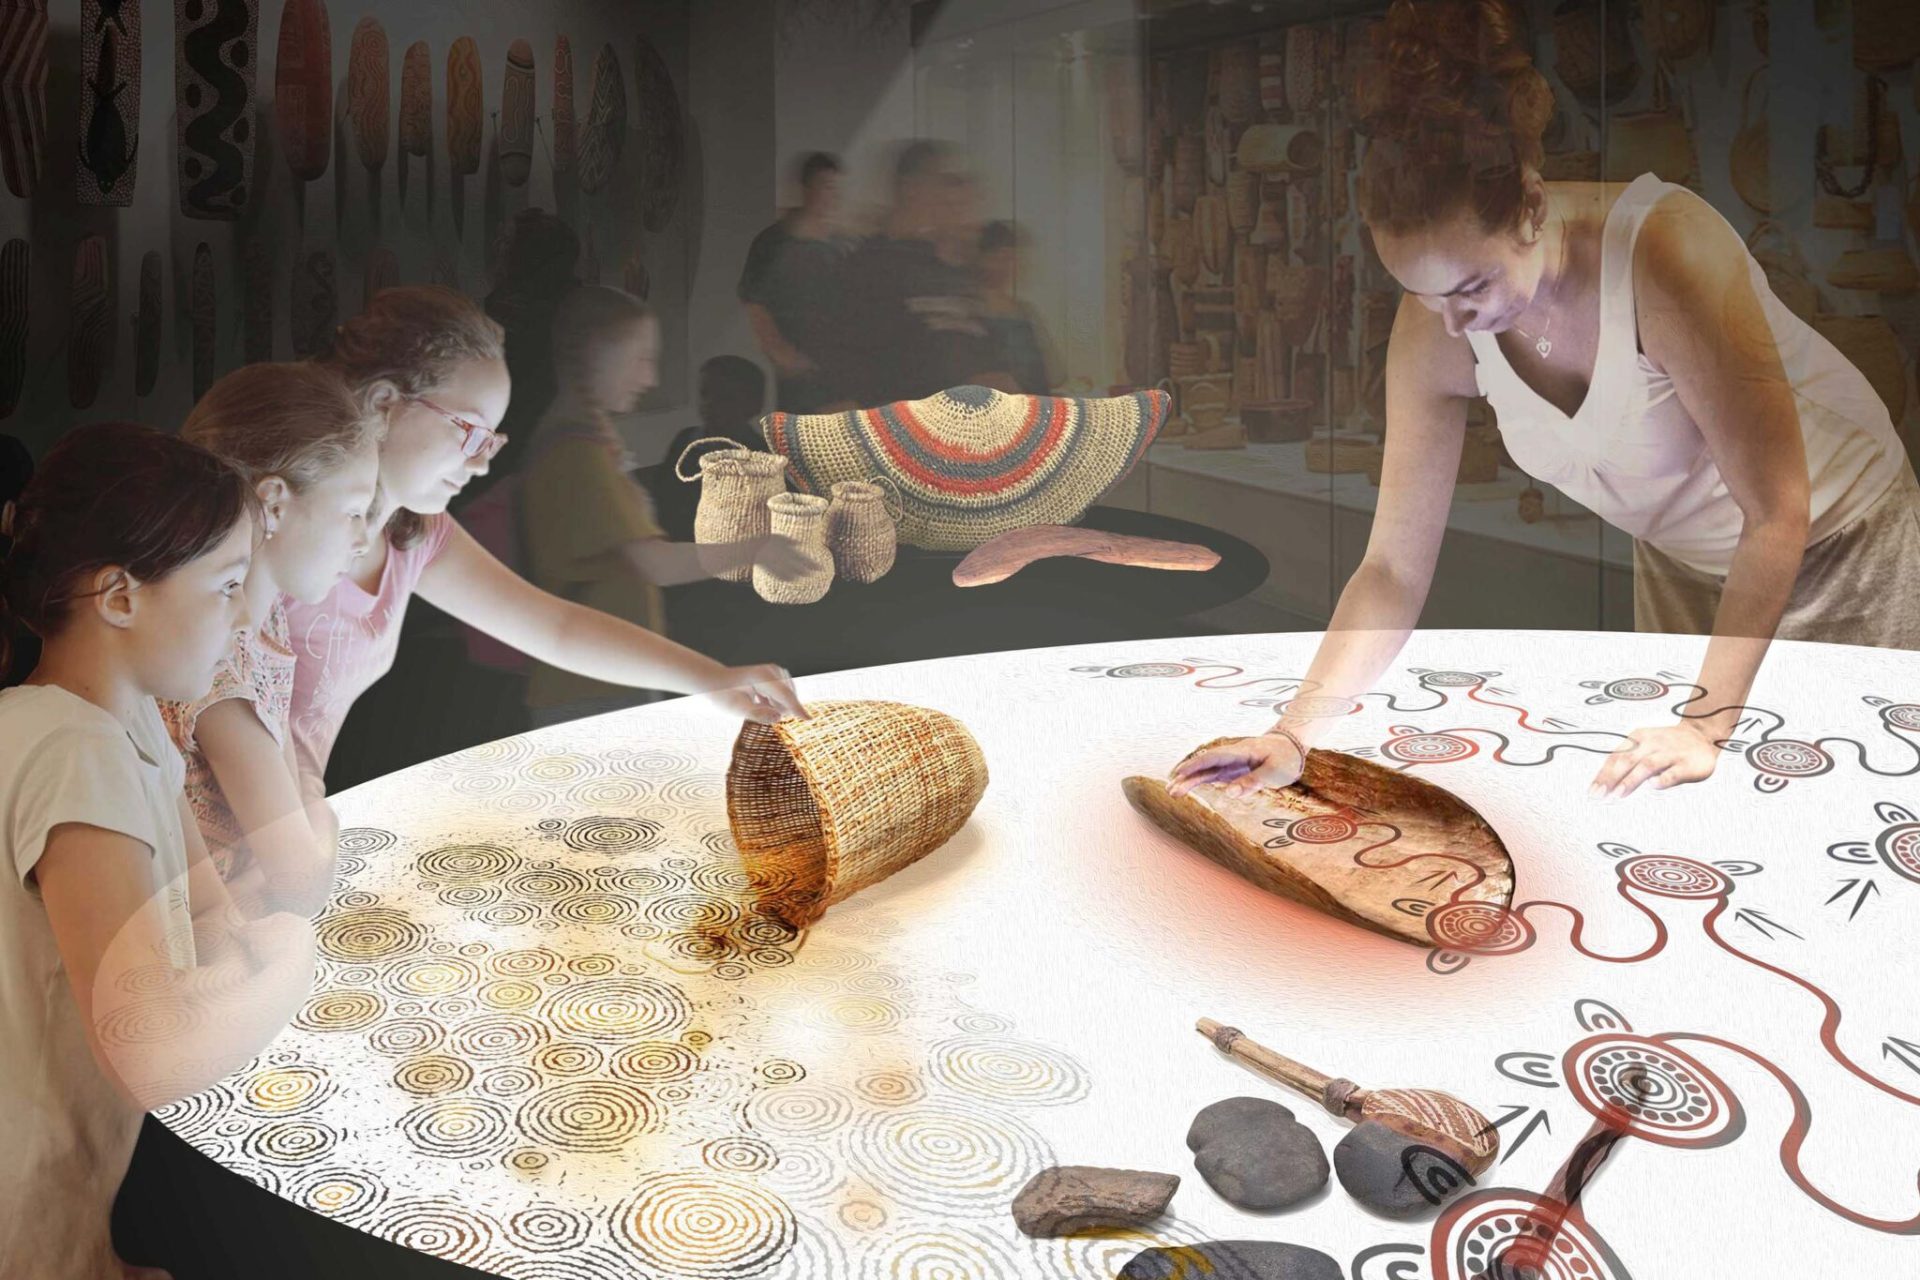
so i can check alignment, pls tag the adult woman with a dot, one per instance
(1635, 358)
(432, 361)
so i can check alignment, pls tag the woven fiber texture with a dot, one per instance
(801, 518)
(734, 487)
(860, 531)
(825, 807)
(972, 463)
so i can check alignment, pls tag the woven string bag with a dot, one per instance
(971, 463)
(861, 532)
(802, 519)
(824, 807)
(735, 484)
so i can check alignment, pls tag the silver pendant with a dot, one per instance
(1544, 347)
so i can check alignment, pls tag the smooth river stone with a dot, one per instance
(1233, 1260)
(1067, 1199)
(1255, 1154)
(1393, 1174)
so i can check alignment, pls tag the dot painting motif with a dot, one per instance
(552, 1036)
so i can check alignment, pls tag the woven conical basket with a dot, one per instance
(824, 807)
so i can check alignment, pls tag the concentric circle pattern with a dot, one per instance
(1675, 877)
(1427, 748)
(1653, 1091)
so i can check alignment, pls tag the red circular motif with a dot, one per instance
(1900, 849)
(1481, 928)
(1329, 828)
(1672, 877)
(1472, 1240)
(1428, 748)
(1653, 1091)
(1785, 758)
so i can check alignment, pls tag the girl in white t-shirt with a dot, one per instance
(128, 980)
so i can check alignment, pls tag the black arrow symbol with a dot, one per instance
(1905, 1052)
(1761, 923)
(1866, 887)
(1438, 878)
(1538, 1121)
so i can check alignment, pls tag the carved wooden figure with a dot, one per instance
(466, 107)
(566, 128)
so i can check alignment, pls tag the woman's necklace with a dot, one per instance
(1541, 343)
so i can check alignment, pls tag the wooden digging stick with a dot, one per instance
(1425, 1115)
(1000, 558)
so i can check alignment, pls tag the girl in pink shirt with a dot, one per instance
(434, 364)
(310, 448)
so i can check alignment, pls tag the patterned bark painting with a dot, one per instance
(606, 128)
(370, 93)
(303, 88)
(416, 100)
(315, 304)
(383, 272)
(203, 310)
(148, 325)
(256, 305)
(662, 136)
(516, 116)
(23, 92)
(109, 101)
(16, 291)
(91, 326)
(466, 107)
(566, 128)
(215, 51)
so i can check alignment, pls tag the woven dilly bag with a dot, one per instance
(801, 518)
(735, 484)
(824, 807)
(971, 463)
(861, 531)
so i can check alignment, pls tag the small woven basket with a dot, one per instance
(824, 807)
(860, 531)
(801, 518)
(735, 484)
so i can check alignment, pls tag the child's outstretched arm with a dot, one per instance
(164, 1033)
(263, 790)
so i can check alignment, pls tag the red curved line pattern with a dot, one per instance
(1653, 949)
(1828, 1026)
(1474, 694)
(1478, 874)
(1796, 1137)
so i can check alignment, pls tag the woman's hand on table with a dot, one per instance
(1666, 755)
(764, 693)
(1244, 764)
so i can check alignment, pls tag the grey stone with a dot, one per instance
(1070, 1198)
(1233, 1260)
(1255, 1154)
(1393, 1174)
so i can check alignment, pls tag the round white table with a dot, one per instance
(551, 1038)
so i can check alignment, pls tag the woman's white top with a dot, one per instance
(1633, 455)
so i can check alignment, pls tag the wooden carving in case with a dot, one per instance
(1359, 841)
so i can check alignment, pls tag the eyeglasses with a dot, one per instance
(476, 439)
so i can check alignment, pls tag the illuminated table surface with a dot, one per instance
(551, 1038)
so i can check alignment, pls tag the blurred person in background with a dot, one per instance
(791, 286)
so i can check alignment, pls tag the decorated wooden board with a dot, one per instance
(203, 311)
(370, 93)
(90, 325)
(605, 132)
(23, 93)
(566, 127)
(466, 107)
(662, 136)
(214, 55)
(383, 272)
(16, 293)
(516, 116)
(303, 88)
(416, 100)
(315, 304)
(109, 101)
(149, 323)
(256, 305)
